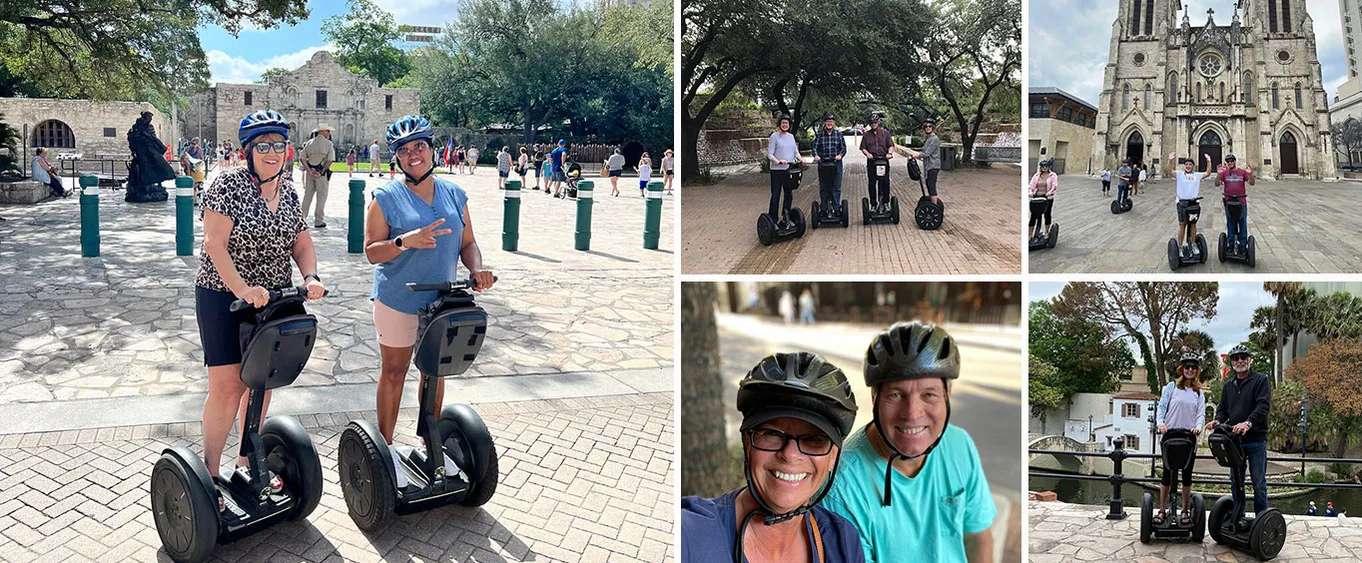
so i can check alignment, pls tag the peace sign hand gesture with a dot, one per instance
(424, 237)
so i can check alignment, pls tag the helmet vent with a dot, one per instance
(945, 349)
(926, 337)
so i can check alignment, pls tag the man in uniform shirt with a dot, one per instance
(318, 154)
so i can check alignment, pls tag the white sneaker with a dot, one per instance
(399, 474)
(450, 468)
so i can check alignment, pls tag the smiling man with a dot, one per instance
(905, 502)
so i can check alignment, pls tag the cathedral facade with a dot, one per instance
(1251, 88)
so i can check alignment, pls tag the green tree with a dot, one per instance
(975, 51)
(1195, 342)
(1282, 291)
(1329, 372)
(1085, 359)
(365, 40)
(116, 49)
(270, 73)
(9, 160)
(1043, 396)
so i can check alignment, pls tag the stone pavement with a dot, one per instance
(978, 237)
(1062, 533)
(123, 324)
(1300, 226)
(582, 479)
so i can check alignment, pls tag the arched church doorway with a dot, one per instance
(1210, 144)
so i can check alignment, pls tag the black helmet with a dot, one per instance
(1229, 158)
(1047, 163)
(875, 117)
(784, 117)
(1189, 358)
(909, 351)
(1238, 350)
(930, 122)
(829, 116)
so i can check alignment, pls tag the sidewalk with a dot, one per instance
(1063, 533)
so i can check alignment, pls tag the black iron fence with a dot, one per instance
(1117, 478)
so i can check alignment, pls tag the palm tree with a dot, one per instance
(1282, 291)
(704, 447)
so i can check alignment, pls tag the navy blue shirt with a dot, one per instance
(710, 526)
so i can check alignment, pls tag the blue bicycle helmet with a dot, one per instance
(409, 128)
(260, 123)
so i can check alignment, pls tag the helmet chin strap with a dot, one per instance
(769, 516)
(416, 181)
(250, 166)
(889, 470)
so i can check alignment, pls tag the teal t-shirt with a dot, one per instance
(929, 514)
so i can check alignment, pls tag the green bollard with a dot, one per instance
(652, 223)
(184, 216)
(356, 233)
(89, 216)
(585, 189)
(510, 222)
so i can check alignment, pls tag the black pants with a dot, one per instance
(931, 181)
(1049, 205)
(779, 184)
(879, 185)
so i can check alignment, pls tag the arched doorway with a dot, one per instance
(1209, 144)
(1290, 156)
(53, 134)
(1135, 148)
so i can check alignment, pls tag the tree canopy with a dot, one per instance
(1086, 360)
(366, 42)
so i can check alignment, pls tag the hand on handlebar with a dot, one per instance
(1241, 428)
(255, 295)
(315, 289)
(1162, 429)
(1196, 430)
(483, 280)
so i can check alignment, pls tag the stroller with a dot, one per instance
(573, 172)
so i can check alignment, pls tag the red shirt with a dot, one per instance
(1236, 183)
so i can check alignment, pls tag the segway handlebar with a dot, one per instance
(444, 286)
(275, 295)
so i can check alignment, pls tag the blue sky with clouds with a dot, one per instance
(242, 59)
(1070, 40)
(1233, 310)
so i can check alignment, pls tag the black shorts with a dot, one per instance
(219, 328)
(1183, 215)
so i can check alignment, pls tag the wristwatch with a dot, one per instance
(398, 241)
(313, 276)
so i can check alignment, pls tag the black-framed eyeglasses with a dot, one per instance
(771, 440)
(280, 147)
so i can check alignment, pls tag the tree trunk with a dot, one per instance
(1280, 336)
(704, 445)
(690, 148)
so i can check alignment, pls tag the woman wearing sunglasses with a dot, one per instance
(252, 229)
(796, 410)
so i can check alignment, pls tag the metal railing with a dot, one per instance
(1116, 509)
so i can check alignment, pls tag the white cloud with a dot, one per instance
(421, 12)
(236, 70)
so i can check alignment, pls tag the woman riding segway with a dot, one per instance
(1042, 204)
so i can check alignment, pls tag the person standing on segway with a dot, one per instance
(931, 158)
(1236, 181)
(911, 483)
(877, 143)
(1189, 189)
(1051, 181)
(1182, 406)
(781, 150)
(1123, 175)
(1244, 404)
(828, 144)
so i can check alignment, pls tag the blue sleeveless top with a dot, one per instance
(405, 212)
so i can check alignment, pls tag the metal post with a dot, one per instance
(356, 230)
(184, 216)
(89, 216)
(1117, 507)
(1305, 427)
(510, 222)
(653, 220)
(585, 190)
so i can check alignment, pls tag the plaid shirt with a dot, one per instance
(829, 145)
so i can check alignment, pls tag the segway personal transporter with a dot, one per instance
(1262, 534)
(769, 229)
(184, 499)
(1176, 257)
(1121, 204)
(1230, 249)
(1178, 445)
(829, 215)
(882, 212)
(1041, 238)
(452, 334)
(928, 215)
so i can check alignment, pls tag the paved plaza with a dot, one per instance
(1063, 533)
(719, 233)
(1300, 226)
(101, 367)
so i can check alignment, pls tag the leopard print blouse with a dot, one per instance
(261, 242)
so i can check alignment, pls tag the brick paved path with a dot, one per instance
(978, 237)
(586, 479)
(1300, 226)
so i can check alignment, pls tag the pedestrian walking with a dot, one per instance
(318, 154)
(645, 174)
(522, 164)
(503, 167)
(616, 167)
(373, 160)
(350, 162)
(668, 170)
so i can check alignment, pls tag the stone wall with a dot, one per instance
(90, 124)
(734, 136)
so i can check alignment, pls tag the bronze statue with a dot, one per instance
(148, 167)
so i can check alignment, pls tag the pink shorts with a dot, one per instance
(395, 328)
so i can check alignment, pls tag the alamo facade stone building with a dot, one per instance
(1251, 88)
(320, 91)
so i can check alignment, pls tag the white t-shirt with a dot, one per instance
(373, 151)
(40, 173)
(1189, 185)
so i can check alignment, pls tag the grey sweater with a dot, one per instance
(782, 147)
(931, 153)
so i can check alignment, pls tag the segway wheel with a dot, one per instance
(1221, 514)
(865, 211)
(1201, 245)
(927, 215)
(1252, 252)
(813, 212)
(894, 208)
(289, 453)
(845, 213)
(186, 514)
(469, 444)
(1268, 534)
(1146, 518)
(797, 216)
(366, 479)
(766, 230)
(1054, 236)
(1114, 207)
(1222, 247)
(1198, 518)
(1174, 257)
